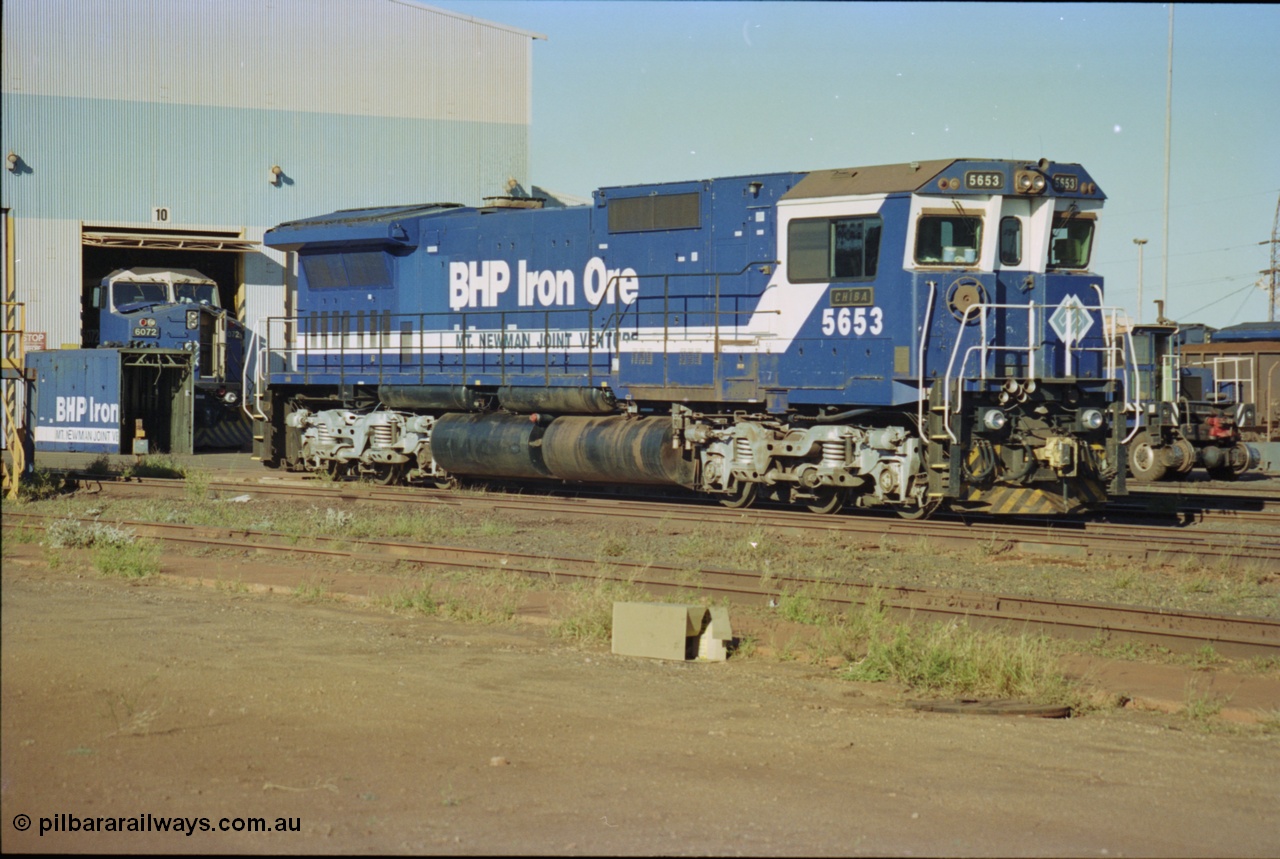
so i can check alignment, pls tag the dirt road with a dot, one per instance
(369, 732)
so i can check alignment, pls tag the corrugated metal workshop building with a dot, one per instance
(173, 134)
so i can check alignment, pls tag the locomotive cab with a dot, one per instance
(1018, 362)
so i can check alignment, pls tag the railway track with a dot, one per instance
(1178, 631)
(1180, 539)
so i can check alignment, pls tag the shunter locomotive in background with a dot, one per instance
(1186, 415)
(898, 336)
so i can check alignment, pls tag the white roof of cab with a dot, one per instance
(159, 275)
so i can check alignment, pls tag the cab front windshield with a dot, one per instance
(127, 292)
(951, 239)
(196, 293)
(1071, 241)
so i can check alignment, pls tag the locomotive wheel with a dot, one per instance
(335, 469)
(445, 482)
(827, 499)
(1243, 458)
(388, 474)
(742, 495)
(1145, 461)
(1187, 455)
(1222, 472)
(920, 511)
(1236, 463)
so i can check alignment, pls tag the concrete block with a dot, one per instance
(670, 631)
(713, 643)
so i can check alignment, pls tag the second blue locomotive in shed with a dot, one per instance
(897, 336)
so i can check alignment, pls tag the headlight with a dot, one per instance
(1091, 419)
(1029, 182)
(994, 419)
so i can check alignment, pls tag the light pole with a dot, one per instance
(1139, 243)
(1168, 125)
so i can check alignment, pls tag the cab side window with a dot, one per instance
(833, 249)
(1010, 241)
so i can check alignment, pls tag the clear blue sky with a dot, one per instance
(649, 91)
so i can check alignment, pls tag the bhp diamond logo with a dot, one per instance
(1071, 321)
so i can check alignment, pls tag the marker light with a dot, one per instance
(1091, 419)
(994, 419)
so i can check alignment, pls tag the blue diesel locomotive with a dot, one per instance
(899, 336)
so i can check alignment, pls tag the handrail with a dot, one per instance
(469, 321)
(920, 352)
(979, 312)
(255, 354)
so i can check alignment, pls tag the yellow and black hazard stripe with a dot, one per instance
(235, 433)
(999, 500)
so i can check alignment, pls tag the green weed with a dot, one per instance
(39, 485)
(800, 607)
(100, 467)
(614, 547)
(414, 599)
(157, 466)
(1206, 657)
(1199, 585)
(744, 647)
(137, 559)
(954, 659)
(21, 535)
(310, 590)
(52, 557)
(1200, 707)
(196, 486)
(70, 533)
(585, 615)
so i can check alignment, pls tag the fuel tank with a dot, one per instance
(489, 446)
(626, 450)
(586, 449)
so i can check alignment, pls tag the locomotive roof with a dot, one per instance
(383, 224)
(371, 214)
(160, 275)
(910, 177)
(883, 179)
(1247, 331)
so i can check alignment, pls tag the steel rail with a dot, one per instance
(1230, 636)
(1071, 538)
